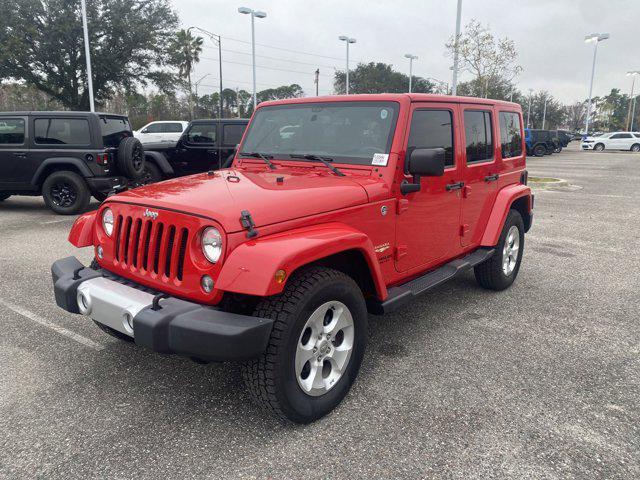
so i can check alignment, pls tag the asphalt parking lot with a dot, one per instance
(540, 381)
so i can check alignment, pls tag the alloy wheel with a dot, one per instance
(63, 194)
(510, 250)
(324, 348)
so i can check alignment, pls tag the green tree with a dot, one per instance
(554, 115)
(491, 61)
(497, 88)
(379, 78)
(41, 43)
(185, 50)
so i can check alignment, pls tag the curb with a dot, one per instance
(548, 182)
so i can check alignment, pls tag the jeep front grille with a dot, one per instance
(151, 246)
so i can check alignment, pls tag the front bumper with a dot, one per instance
(171, 326)
(587, 146)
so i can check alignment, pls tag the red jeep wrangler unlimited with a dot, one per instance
(333, 207)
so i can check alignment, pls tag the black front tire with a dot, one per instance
(491, 274)
(152, 174)
(599, 147)
(271, 378)
(635, 147)
(539, 150)
(66, 193)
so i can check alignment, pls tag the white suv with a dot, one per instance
(613, 141)
(165, 131)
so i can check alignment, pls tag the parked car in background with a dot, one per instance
(539, 142)
(161, 131)
(613, 141)
(205, 145)
(67, 156)
(370, 202)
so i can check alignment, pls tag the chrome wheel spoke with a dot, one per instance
(303, 355)
(510, 250)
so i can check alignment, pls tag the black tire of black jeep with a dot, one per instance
(271, 378)
(131, 158)
(152, 174)
(598, 147)
(539, 150)
(66, 193)
(4, 196)
(490, 274)
(635, 147)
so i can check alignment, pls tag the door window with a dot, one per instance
(62, 131)
(172, 128)
(479, 139)
(621, 135)
(433, 129)
(11, 131)
(510, 136)
(153, 128)
(232, 134)
(202, 133)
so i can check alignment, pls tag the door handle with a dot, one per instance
(21, 155)
(491, 178)
(454, 186)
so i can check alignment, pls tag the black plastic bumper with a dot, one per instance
(177, 326)
(105, 184)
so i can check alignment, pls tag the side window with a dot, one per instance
(510, 137)
(62, 131)
(617, 135)
(202, 133)
(477, 130)
(172, 128)
(637, 135)
(232, 134)
(154, 128)
(11, 131)
(433, 129)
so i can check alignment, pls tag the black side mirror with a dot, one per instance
(423, 162)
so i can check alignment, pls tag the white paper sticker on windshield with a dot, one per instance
(380, 159)
(383, 114)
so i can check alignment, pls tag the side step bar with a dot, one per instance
(401, 294)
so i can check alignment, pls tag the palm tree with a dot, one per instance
(185, 53)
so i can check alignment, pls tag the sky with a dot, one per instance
(548, 34)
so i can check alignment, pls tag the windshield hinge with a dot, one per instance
(247, 223)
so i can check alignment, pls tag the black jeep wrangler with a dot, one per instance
(67, 156)
(204, 145)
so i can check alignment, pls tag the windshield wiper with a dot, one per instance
(261, 156)
(317, 158)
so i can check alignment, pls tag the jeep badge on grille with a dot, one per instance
(151, 214)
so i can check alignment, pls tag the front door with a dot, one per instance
(428, 224)
(480, 172)
(198, 150)
(14, 153)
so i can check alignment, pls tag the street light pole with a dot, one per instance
(529, 110)
(597, 38)
(254, 14)
(87, 55)
(454, 82)
(632, 100)
(544, 112)
(411, 59)
(347, 40)
(196, 85)
(216, 38)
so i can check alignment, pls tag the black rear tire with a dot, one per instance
(4, 196)
(131, 158)
(539, 150)
(635, 147)
(491, 274)
(66, 193)
(271, 378)
(152, 174)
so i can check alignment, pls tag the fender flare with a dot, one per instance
(62, 161)
(160, 160)
(501, 206)
(250, 268)
(82, 231)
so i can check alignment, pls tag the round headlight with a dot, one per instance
(107, 221)
(212, 244)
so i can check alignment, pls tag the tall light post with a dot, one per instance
(411, 59)
(596, 38)
(544, 112)
(454, 81)
(632, 100)
(254, 14)
(529, 110)
(87, 55)
(217, 39)
(347, 40)
(196, 85)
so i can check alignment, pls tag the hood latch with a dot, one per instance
(247, 223)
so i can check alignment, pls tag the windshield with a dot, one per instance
(347, 132)
(114, 129)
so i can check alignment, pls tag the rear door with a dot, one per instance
(199, 151)
(14, 153)
(171, 131)
(623, 141)
(480, 172)
(428, 226)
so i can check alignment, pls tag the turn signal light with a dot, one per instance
(280, 276)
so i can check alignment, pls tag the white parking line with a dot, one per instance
(56, 328)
